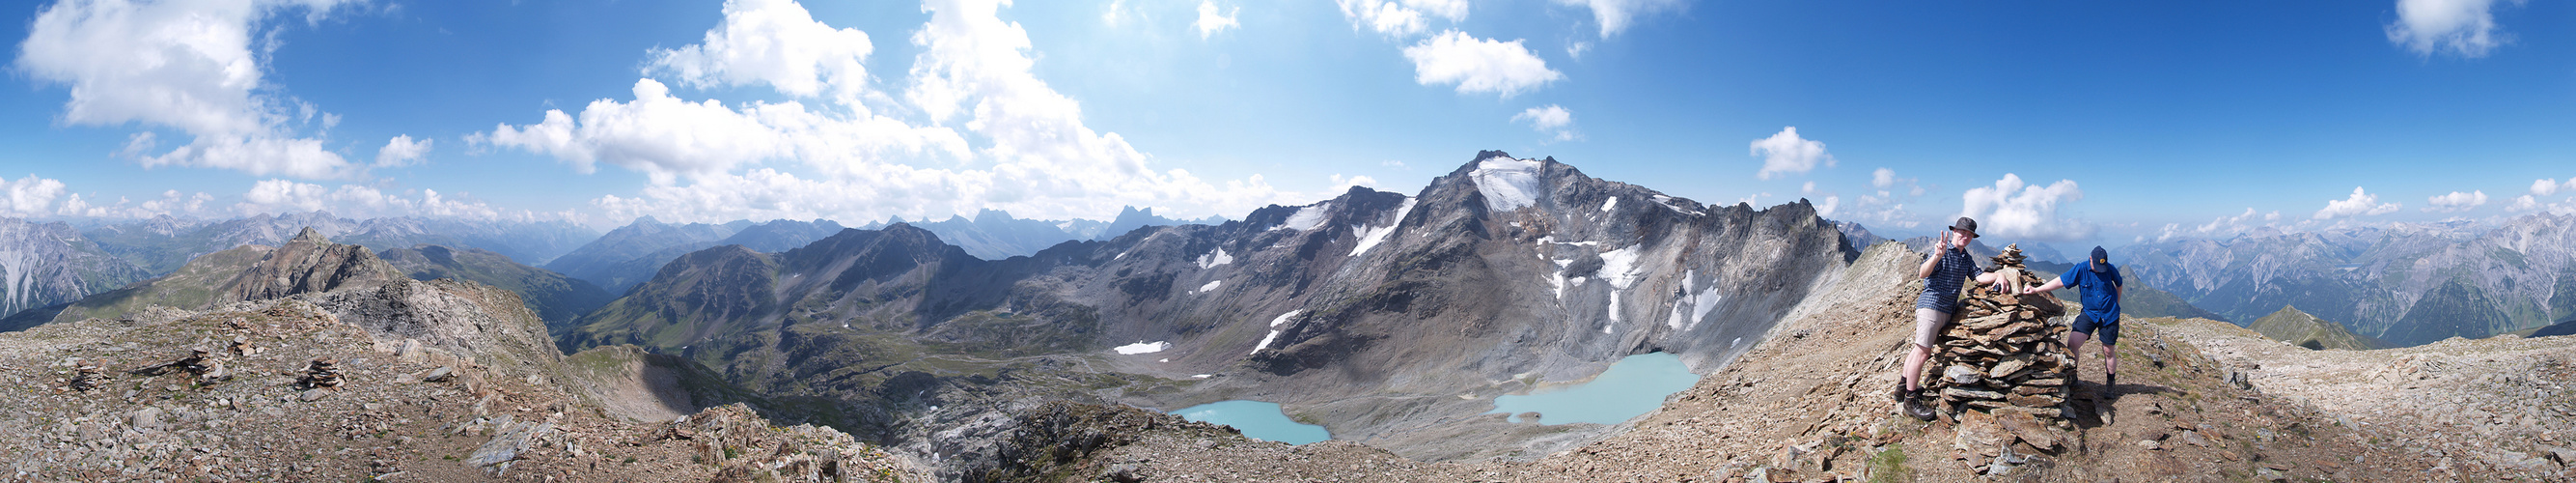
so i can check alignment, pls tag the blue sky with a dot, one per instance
(2114, 121)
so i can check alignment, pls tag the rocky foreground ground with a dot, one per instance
(2198, 400)
(133, 400)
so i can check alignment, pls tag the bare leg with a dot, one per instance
(2110, 361)
(2075, 350)
(1914, 367)
(1927, 323)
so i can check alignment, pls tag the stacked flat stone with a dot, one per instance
(2005, 353)
(321, 373)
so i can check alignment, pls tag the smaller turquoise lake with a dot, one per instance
(1258, 420)
(1629, 388)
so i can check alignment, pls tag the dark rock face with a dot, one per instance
(554, 297)
(1506, 269)
(308, 264)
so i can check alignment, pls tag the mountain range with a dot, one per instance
(44, 264)
(1503, 274)
(2406, 284)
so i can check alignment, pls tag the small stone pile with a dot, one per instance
(87, 379)
(320, 373)
(2004, 354)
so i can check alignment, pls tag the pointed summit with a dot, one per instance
(310, 237)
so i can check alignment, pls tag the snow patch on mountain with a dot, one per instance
(1307, 218)
(1619, 267)
(1508, 184)
(1143, 348)
(1370, 237)
(1611, 205)
(1210, 287)
(1274, 332)
(1212, 259)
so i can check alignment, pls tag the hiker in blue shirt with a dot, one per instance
(2099, 282)
(1944, 273)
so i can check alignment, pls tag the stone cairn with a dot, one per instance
(2004, 354)
(89, 378)
(321, 373)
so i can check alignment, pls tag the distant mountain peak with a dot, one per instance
(310, 237)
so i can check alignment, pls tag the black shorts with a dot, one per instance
(2110, 331)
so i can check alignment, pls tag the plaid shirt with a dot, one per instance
(1941, 291)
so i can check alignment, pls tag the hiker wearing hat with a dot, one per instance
(1944, 273)
(2099, 282)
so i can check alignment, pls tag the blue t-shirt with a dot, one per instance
(2101, 302)
(1941, 291)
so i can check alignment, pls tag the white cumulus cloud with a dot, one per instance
(2466, 28)
(1400, 18)
(773, 42)
(186, 65)
(402, 151)
(996, 137)
(2455, 201)
(1550, 119)
(29, 196)
(1786, 153)
(1616, 15)
(1478, 65)
(2550, 186)
(2359, 204)
(1210, 22)
(2015, 209)
(275, 196)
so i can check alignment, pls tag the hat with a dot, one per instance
(1965, 224)
(2100, 258)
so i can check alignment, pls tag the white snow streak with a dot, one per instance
(1212, 259)
(1274, 333)
(1614, 312)
(1143, 347)
(1283, 318)
(1265, 341)
(1369, 238)
(1210, 287)
(1608, 206)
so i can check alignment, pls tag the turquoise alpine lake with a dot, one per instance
(1629, 388)
(1258, 420)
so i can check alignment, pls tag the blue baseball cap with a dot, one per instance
(2100, 258)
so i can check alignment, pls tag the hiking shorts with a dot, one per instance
(2110, 331)
(1927, 326)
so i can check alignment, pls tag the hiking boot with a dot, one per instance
(1900, 393)
(1914, 407)
(2110, 381)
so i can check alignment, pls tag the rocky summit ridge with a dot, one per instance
(331, 370)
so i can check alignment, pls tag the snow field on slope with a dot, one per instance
(1212, 259)
(1210, 287)
(1508, 184)
(1370, 237)
(1143, 348)
(1307, 218)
